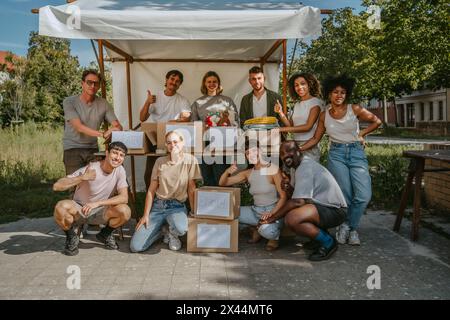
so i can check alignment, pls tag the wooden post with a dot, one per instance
(284, 76)
(130, 127)
(420, 163)
(102, 67)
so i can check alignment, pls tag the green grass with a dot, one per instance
(30, 161)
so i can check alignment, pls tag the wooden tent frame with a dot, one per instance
(127, 58)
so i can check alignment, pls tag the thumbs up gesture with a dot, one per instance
(150, 97)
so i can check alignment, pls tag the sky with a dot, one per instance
(17, 21)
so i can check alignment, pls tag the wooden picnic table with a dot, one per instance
(415, 172)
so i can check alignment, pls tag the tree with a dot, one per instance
(17, 95)
(54, 74)
(409, 52)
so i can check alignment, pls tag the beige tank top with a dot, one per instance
(264, 193)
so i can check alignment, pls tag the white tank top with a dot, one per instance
(344, 130)
(264, 193)
(301, 114)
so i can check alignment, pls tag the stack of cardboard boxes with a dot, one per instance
(215, 225)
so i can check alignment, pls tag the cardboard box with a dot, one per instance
(191, 131)
(136, 141)
(208, 235)
(221, 203)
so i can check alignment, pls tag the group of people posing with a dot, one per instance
(303, 195)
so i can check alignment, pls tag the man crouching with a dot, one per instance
(101, 197)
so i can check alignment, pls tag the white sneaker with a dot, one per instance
(353, 239)
(165, 233)
(174, 242)
(342, 233)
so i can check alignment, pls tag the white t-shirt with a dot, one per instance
(260, 106)
(103, 187)
(167, 108)
(300, 116)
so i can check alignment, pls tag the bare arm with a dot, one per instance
(121, 198)
(67, 182)
(143, 113)
(148, 204)
(289, 205)
(367, 116)
(277, 179)
(81, 128)
(320, 131)
(312, 118)
(279, 109)
(227, 180)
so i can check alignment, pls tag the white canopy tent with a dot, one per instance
(145, 39)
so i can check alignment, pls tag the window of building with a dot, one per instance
(422, 111)
(431, 117)
(441, 111)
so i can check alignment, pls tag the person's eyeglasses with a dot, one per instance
(91, 82)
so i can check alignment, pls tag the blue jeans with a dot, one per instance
(171, 211)
(348, 164)
(250, 215)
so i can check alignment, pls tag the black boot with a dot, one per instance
(72, 241)
(107, 237)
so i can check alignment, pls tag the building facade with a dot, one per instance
(424, 111)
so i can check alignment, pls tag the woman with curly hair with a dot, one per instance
(347, 160)
(304, 89)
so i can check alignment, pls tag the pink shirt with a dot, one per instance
(103, 187)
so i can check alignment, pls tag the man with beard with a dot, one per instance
(317, 202)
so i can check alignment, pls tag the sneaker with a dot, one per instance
(353, 239)
(323, 253)
(71, 248)
(165, 233)
(174, 242)
(108, 240)
(342, 233)
(310, 245)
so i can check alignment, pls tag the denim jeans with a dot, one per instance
(251, 214)
(171, 211)
(348, 164)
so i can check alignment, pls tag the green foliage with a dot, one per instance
(409, 52)
(54, 74)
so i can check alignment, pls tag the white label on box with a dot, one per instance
(213, 236)
(223, 137)
(188, 133)
(213, 203)
(132, 139)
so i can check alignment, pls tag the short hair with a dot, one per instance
(203, 88)
(175, 73)
(331, 83)
(118, 145)
(255, 69)
(90, 71)
(313, 84)
(174, 132)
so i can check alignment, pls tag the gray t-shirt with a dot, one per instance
(205, 105)
(313, 181)
(91, 116)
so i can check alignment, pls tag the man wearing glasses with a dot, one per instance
(83, 115)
